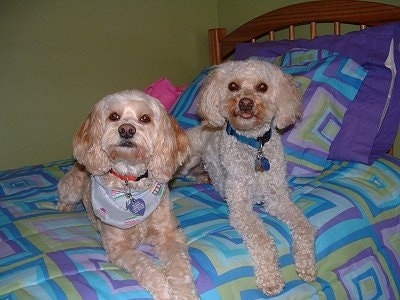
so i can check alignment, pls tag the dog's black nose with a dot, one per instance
(126, 131)
(246, 104)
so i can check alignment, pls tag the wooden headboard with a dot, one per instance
(337, 12)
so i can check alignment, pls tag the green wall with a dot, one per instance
(232, 13)
(59, 57)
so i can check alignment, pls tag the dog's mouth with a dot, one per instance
(246, 114)
(126, 144)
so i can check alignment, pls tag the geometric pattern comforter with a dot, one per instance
(45, 254)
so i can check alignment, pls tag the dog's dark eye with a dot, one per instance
(233, 86)
(145, 119)
(262, 87)
(114, 116)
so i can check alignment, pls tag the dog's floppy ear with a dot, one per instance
(171, 149)
(87, 143)
(288, 101)
(209, 98)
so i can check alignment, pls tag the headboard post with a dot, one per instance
(215, 36)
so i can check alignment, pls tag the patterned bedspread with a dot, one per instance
(45, 254)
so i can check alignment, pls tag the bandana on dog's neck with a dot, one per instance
(261, 162)
(121, 209)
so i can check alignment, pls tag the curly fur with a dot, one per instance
(253, 96)
(156, 145)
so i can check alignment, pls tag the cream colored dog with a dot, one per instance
(127, 151)
(241, 103)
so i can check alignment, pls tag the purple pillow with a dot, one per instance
(372, 120)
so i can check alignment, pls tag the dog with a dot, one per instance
(127, 150)
(241, 104)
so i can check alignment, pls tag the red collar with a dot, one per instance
(129, 177)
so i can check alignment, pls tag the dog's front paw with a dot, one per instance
(64, 207)
(306, 269)
(305, 264)
(271, 283)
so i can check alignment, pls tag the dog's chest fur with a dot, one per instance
(226, 158)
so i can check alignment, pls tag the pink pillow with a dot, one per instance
(164, 91)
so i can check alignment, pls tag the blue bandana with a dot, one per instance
(122, 209)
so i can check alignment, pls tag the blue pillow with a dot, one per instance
(329, 83)
(185, 108)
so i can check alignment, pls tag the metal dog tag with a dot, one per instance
(128, 195)
(258, 166)
(262, 163)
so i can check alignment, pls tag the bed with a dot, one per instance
(342, 174)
